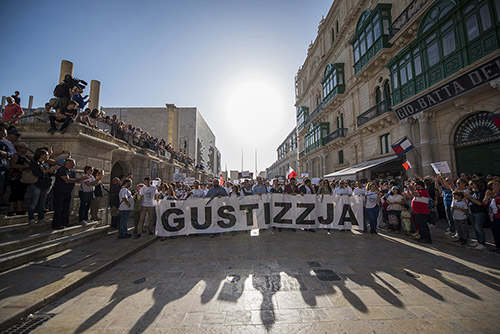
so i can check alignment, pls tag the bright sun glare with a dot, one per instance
(254, 102)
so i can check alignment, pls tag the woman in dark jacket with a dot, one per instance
(39, 190)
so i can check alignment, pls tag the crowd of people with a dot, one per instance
(412, 207)
(68, 106)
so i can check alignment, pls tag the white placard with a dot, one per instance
(179, 177)
(441, 167)
(189, 181)
(315, 180)
(304, 175)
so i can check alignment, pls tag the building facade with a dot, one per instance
(184, 128)
(381, 70)
(287, 157)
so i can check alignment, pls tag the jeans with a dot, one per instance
(449, 218)
(478, 219)
(122, 227)
(373, 216)
(83, 211)
(37, 202)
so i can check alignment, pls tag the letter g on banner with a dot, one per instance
(179, 222)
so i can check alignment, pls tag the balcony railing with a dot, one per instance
(413, 8)
(374, 112)
(342, 132)
(301, 154)
(313, 114)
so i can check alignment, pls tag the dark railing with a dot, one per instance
(313, 114)
(413, 8)
(301, 154)
(342, 132)
(374, 112)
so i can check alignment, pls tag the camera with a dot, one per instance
(74, 81)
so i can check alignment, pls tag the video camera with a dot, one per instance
(74, 82)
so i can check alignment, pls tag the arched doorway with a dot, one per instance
(119, 169)
(477, 145)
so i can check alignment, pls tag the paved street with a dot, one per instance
(287, 282)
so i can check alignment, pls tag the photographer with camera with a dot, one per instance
(65, 90)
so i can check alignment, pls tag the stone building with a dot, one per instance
(381, 70)
(287, 157)
(185, 128)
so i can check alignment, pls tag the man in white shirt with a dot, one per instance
(148, 195)
(196, 192)
(343, 189)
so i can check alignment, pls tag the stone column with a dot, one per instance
(173, 126)
(66, 68)
(425, 145)
(30, 104)
(95, 93)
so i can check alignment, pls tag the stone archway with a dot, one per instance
(119, 168)
(477, 145)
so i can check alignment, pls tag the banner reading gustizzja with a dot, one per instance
(218, 215)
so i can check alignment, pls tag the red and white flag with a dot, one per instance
(406, 165)
(291, 173)
(221, 180)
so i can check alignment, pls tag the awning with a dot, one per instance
(352, 172)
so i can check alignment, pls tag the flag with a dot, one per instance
(221, 180)
(291, 173)
(402, 146)
(407, 165)
(496, 119)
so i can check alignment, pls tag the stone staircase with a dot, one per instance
(21, 242)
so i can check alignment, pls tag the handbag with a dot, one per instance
(27, 177)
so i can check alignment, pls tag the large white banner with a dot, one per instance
(225, 214)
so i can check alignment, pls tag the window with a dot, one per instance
(472, 27)
(341, 157)
(333, 36)
(484, 13)
(314, 137)
(378, 96)
(439, 50)
(333, 81)
(372, 33)
(385, 143)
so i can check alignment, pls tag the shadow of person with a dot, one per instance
(267, 285)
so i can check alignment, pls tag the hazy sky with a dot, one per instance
(234, 60)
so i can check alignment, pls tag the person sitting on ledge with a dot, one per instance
(66, 116)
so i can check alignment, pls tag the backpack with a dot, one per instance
(61, 90)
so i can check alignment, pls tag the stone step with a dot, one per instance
(16, 220)
(23, 228)
(21, 256)
(26, 240)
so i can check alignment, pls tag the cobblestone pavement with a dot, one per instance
(289, 282)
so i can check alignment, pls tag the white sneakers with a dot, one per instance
(32, 222)
(480, 247)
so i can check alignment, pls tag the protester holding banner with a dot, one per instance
(343, 189)
(196, 192)
(276, 188)
(216, 190)
(306, 188)
(246, 190)
(324, 188)
(259, 188)
(291, 188)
